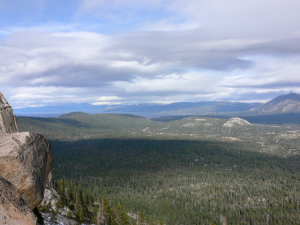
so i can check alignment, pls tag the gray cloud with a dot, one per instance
(143, 48)
(181, 50)
(161, 64)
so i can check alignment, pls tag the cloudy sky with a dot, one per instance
(148, 51)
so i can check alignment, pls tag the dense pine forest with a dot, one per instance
(85, 208)
(189, 171)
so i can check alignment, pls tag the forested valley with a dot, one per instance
(191, 171)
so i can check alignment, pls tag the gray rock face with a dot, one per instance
(13, 209)
(61, 220)
(52, 196)
(8, 122)
(26, 160)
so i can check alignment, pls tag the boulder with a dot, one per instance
(26, 160)
(8, 122)
(13, 209)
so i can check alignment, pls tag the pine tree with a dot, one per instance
(142, 220)
(79, 208)
(104, 216)
(58, 205)
(53, 218)
(119, 215)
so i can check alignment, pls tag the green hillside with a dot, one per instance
(77, 126)
(189, 171)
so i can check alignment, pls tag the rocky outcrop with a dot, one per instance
(61, 220)
(13, 209)
(50, 196)
(53, 197)
(236, 121)
(25, 161)
(8, 122)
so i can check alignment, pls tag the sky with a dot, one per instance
(140, 51)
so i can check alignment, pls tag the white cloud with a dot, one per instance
(188, 82)
(42, 95)
(222, 19)
(138, 64)
(169, 24)
(174, 50)
(108, 100)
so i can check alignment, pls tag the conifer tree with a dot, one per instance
(79, 208)
(142, 220)
(119, 215)
(104, 216)
(160, 223)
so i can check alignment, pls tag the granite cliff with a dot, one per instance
(25, 162)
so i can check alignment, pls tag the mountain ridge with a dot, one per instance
(289, 103)
(203, 107)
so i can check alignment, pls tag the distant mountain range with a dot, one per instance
(187, 108)
(184, 108)
(57, 110)
(289, 103)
